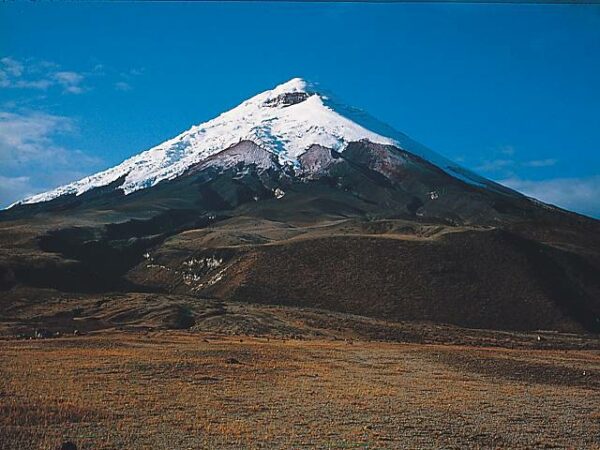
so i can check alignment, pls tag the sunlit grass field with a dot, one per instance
(171, 390)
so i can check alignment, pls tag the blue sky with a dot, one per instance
(511, 91)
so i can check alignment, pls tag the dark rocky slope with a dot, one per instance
(373, 230)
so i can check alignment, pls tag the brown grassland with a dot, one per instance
(184, 390)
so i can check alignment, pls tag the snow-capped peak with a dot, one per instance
(293, 85)
(286, 121)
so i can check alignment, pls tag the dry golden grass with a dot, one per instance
(171, 390)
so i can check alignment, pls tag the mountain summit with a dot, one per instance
(285, 121)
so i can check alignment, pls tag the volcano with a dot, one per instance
(293, 199)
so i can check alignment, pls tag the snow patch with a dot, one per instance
(278, 193)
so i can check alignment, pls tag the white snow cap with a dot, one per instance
(293, 85)
(285, 128)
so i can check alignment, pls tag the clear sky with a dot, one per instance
(511, 91)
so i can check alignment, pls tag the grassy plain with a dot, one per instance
(188, 390)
